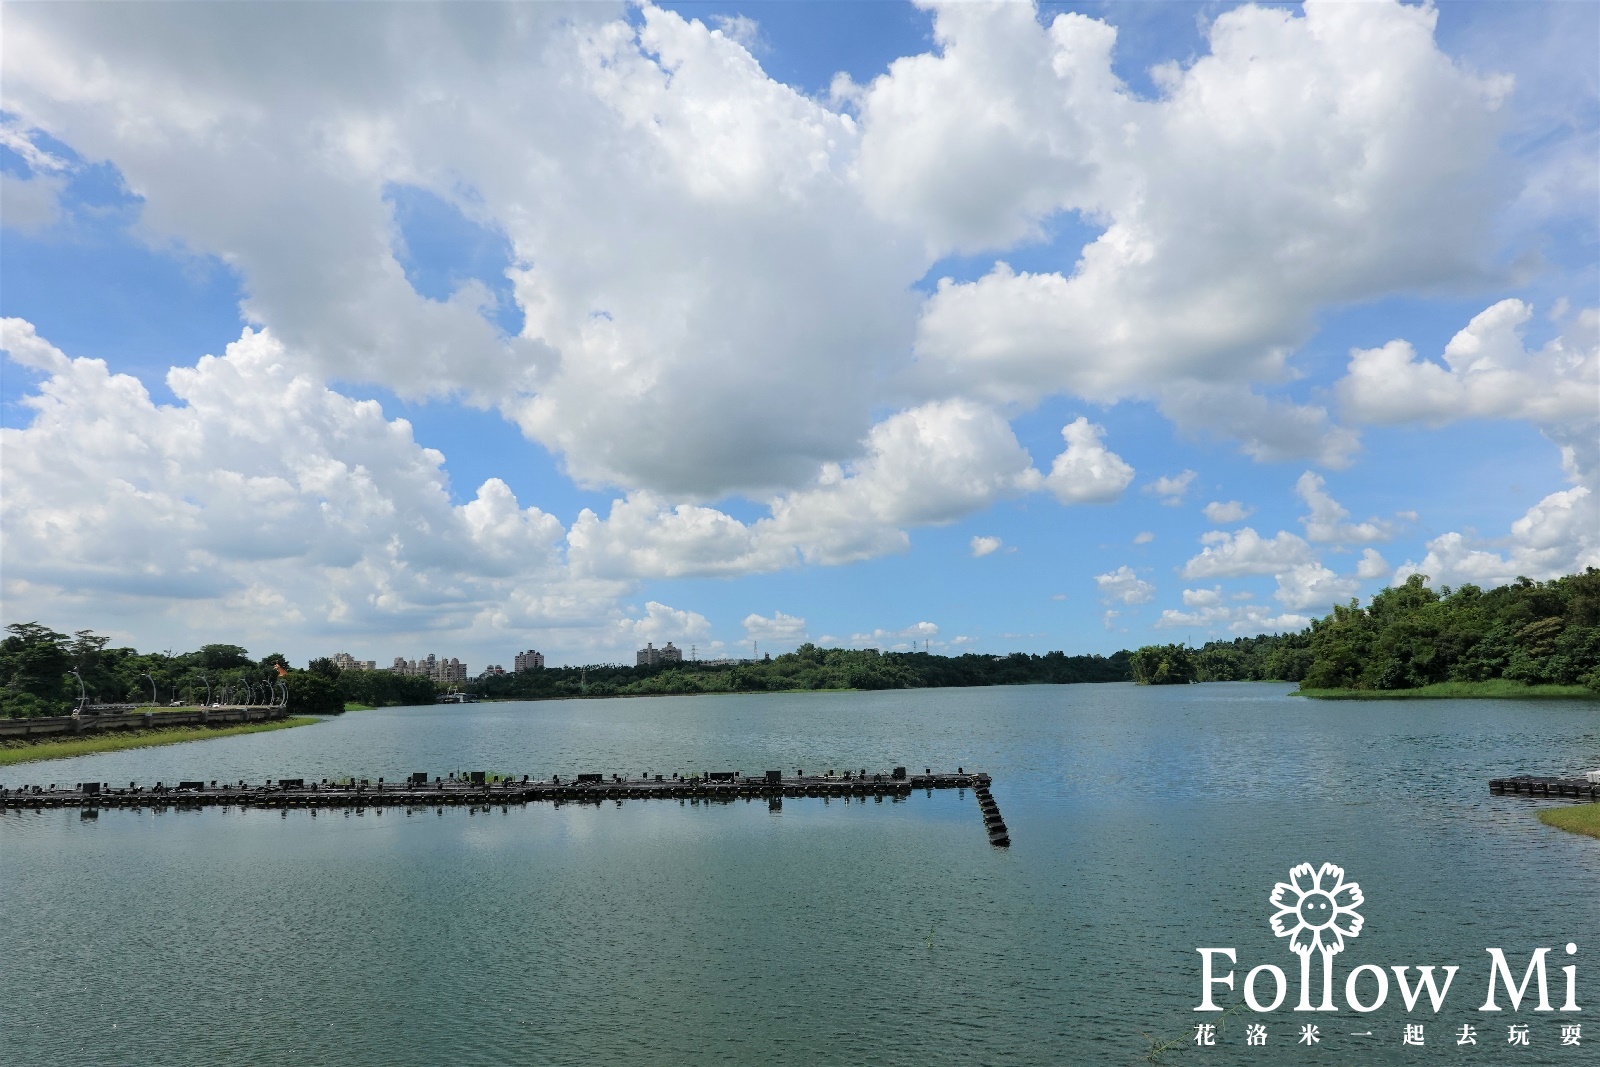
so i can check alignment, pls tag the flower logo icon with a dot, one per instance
(1316, 910)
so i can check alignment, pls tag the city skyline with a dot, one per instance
(959, 326)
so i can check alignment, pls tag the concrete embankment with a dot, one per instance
(135, 719)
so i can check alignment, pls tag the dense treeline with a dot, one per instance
(810, 667)
(40, 672)
(1535, 633)
(379, 689)
(1530, 632)
(1409, 636)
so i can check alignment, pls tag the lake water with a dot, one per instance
(1144, 823)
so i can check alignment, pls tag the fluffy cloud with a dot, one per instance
(1246, 618)
(1314, 586)
(984, 546)
(1245, 552)
(976, 145)
(1143, 537)
(1171, 488)
(1266, 429)
(1372, 565)
(1326, 521)
(908, 639)
(1488, 372)
(707, 257)
(1558, 535)
(780, 628)
(1202, 598)
(1087, 473)
(716, 278)
(260, 481)
(1123, 586)
(928, 465)
(1348, 118)
(688, 244)
(1225, 512)
(663, 623)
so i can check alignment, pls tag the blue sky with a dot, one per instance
(730, 323)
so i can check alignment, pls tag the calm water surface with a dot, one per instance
(1144, 822)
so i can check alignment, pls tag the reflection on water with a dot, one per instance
(1144, 823)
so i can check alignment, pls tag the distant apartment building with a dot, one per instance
(433, 668)
(528, 661)
(650, 655)
(346, 662)
(493, 670)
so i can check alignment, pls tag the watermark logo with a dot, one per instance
(1318, 912)
(1317, 909)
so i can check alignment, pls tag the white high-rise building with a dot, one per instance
(433, 668)
(650, 655)
(528, 661)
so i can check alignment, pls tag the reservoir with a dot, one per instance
(1144, 822)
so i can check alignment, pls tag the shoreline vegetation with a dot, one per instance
(1494, 689)
(1575, 819)
(1522, 640)
(48, 748)
(808, 668)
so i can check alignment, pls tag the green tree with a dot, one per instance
(1162, 665)
(34, 661)
(313, 694)
(324, 666)
(224, 657)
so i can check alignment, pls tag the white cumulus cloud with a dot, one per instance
(1326, 520)
(1171, 488)
(1087, 472)
(984, 546)
(1225, 512)
(1372, 565)
(1558, 535)
(1123, 586)
(1313, 586)
(780, 628)
(1245, 552)
(1348, 118)
(1489, 373)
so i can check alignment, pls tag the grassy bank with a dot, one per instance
(1498, 689)
(1579, 819)
(351, 706)
(114, 741)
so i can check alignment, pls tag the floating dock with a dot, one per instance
(418, 790)
(1533, 786)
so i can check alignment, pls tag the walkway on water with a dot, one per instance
(1533, 786)
(478, 788)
